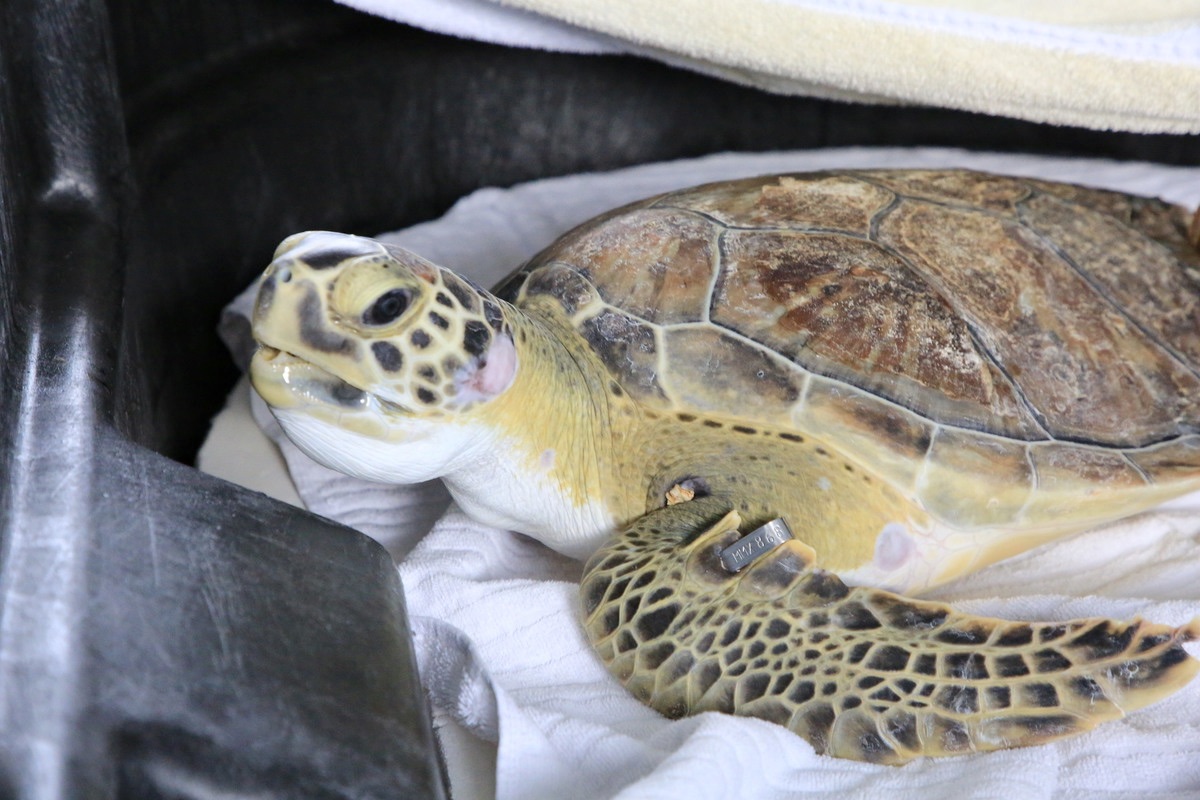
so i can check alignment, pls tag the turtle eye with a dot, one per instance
(388, 308)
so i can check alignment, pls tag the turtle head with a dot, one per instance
(372, 358)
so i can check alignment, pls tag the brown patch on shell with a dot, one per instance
(818, 200)
(847, 308)
(1169, 461)
(1139, 276)
(629, 348)
(655, 263)
(995, 193)
(1077, 359)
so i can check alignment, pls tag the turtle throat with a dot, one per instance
(548, 469)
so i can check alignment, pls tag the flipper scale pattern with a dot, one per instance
(860, 673)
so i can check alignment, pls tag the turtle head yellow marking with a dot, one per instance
(361, 337)
(379, 320)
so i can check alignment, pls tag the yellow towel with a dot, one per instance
(1105, 64)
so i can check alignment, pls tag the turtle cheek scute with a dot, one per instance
(475, 338)
(388, 356)
(314, 331)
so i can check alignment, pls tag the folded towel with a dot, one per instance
(496, 618)
(1106, 65)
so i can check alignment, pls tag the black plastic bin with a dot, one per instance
(164, 634)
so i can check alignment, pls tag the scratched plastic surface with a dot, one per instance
(165, 634)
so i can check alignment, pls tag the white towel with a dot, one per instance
(1104, 64)
(496, 618)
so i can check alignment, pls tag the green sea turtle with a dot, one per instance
(922, 371)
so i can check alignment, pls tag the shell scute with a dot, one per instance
(563, 283)
(827, 201)
(1061, 463)
(1169, 460)
(896, 439)
(1069, 351)
(656, 264)
(722, 368)
(1001, 484)
(998, 194)
(1165, 223)
(1119, 206)
(1138, 276)
(847, 308)
(1175, 229)
(1064, 469)
(631, 349)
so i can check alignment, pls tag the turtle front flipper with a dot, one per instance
(858, 672)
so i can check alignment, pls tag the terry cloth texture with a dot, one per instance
(1102, 64)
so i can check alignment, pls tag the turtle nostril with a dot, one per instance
(284, 274)
(390, 306)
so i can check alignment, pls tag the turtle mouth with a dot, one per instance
(285, 379)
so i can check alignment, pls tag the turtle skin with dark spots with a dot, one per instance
(860, 673)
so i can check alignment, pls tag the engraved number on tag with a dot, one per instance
(757, 543)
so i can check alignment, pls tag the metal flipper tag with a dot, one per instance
(757, 543)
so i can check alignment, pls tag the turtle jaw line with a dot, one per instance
(280, 360)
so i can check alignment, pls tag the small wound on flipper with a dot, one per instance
(755, 545)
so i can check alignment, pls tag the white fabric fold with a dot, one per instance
(1104, 65)
(496, 617)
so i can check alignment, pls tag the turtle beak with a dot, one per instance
(286, 381)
